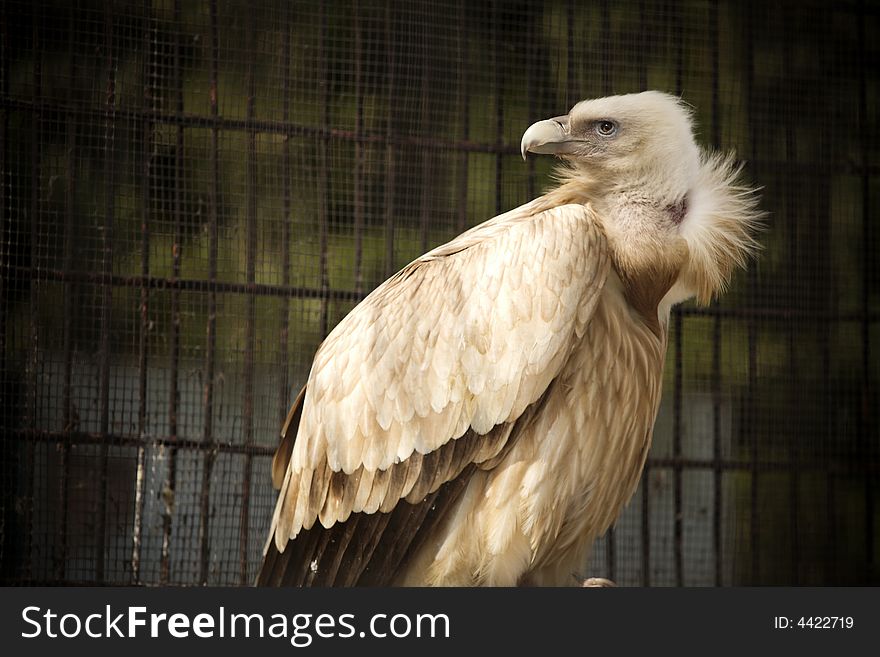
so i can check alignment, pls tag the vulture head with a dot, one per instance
(670, 209)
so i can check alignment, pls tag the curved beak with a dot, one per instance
(550, 137)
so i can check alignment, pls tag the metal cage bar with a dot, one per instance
(70, 311)
(867, 426)
(793, 452)
(287, 220)
(168, 492)
(390, 160)
(148, 65)
(678, 332)
(323, 167)
(210, 452)
(464, 118)
(717, 454)
(106, 293)
(33, 339)
(7, 480)
(250, 312)
(359, 153)
(748, 421)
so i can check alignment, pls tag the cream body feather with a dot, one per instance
(532, 518)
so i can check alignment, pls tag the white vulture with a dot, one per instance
(484, 414)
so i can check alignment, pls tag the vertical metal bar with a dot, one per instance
(675, 14)
(678, 494)
(324, 167)
(717, 453)
(7, 449)
(106, 291)
(33, 357)
(827, 305)
(677, 479)
(286, 220)
(866, 426)
(642, 49)
(390, 187)
(571, 91)
(209, 449)
(646, 526)
(462, 44)
(714, 25)
(748, 423)
(70, 308)
(146, 145)
(827, 394)
(168, 492)
(498, 83)
(532, 59)
(611, 554)
(751, 432)
(793, 273)
(606, 47)
(424, 154)
(359, 153)
(250, 302)
(4, 182)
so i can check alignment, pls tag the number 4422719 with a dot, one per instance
(814, 622)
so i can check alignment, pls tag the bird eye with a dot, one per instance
(606, 128)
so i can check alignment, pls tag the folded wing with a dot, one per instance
(432, 376)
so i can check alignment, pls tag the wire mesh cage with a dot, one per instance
(193, 194)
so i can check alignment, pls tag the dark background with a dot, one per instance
(193, 194)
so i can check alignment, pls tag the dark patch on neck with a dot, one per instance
(678, 211)
(645, 286)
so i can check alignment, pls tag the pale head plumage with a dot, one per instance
(635, 159)
(640, 142)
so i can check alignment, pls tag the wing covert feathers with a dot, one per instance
(424, 379)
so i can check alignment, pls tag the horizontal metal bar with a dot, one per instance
(776, 313)
(268, 126)
(290, 129)
(844, 465)
(120, 440)
(186, 284)
(269, 290)
(32, 581)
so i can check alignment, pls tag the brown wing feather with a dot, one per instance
(372, 549)
(369, 549)
(288, 437)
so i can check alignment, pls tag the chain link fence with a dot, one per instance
(193, 193)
